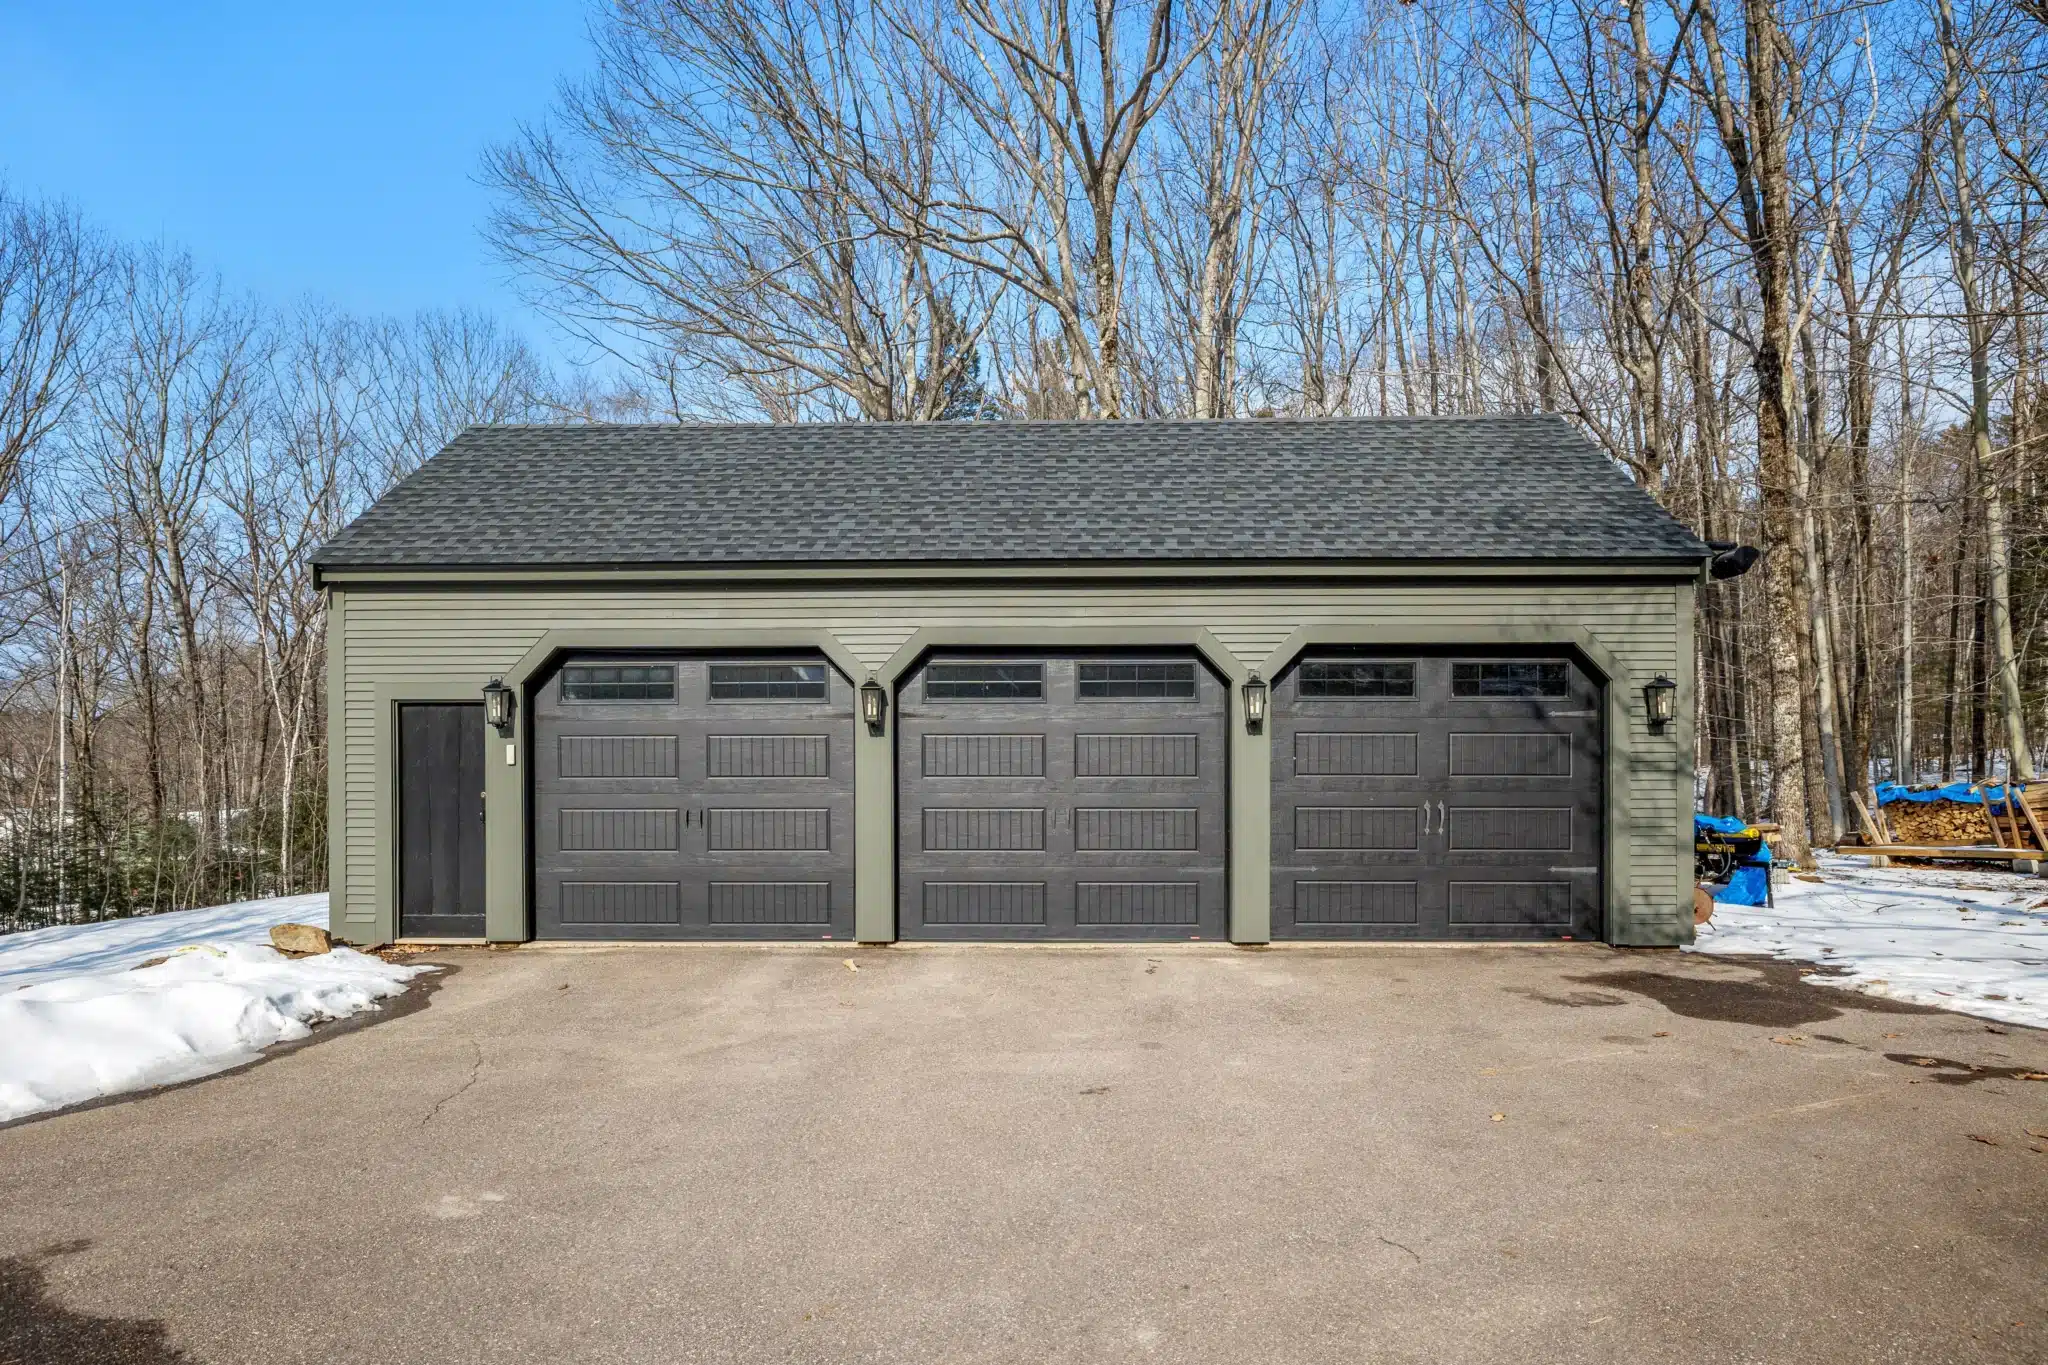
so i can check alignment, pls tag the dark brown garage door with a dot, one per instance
(1061, 797)
(1426, 796)
(693, 798)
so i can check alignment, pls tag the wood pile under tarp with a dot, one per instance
(2008, 827)
(1938, 822)
(1950, 825)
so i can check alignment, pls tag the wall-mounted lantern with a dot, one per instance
(498, 705)
(874, 704)
(1660, 700)
(1254, 704)
(1731, 560)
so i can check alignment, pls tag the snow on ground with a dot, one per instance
(81, 1018)
(1961, 939)
(41, 954)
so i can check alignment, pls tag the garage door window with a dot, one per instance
(1357, 678)
(1138, 681)
(1511, 678)
(767, 682)
(984, 682)
(619, 682)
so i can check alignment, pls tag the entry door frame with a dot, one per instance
(474, 713)
(390, 692)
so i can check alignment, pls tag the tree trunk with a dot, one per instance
(1997, 606)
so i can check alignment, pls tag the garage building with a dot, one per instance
(1266, 679)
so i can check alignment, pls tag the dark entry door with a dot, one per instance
(1437, 796)
(1060, 797)
(441, 820)
(691, 797)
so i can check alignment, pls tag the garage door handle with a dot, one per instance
(1425, 818)
(1439, 817)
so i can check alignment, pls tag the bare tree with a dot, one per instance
(1961, 203)
(1755, 126)
(1207, 229)
(176, 400)
(1042, 105)
(52, 275)
(705, 208)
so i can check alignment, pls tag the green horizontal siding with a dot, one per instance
(450, 640)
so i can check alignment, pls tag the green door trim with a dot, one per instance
(388, 693)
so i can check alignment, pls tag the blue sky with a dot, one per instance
(296, 147)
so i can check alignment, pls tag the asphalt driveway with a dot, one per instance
(964, 1154)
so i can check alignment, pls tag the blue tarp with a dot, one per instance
(1750, 884)
(1888, 792)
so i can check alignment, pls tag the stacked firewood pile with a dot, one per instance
(1939, 822)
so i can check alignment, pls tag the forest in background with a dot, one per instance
(1784, 261)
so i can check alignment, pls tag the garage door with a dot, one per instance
(693, 798)
(1061, 797)
(1420, 796)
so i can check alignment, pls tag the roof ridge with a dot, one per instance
(1008, 423)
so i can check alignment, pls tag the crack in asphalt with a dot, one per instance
(475, 1069)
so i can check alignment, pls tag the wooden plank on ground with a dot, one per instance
(1965, 853)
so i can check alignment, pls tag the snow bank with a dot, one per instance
(77, 1022)
(1971, 941)
(43, 954)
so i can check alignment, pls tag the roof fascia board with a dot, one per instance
(869, 575)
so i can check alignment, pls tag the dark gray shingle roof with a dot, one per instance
(1341, 489)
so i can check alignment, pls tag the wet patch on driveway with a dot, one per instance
(1775, 997)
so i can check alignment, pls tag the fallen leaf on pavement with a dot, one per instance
(2034, 1075)
(1987, 1141)
(1895, 1035)
(850, 965)
(1789, 1039)
(1500, 1118)
(1925, 1061)
(1661, 1033)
